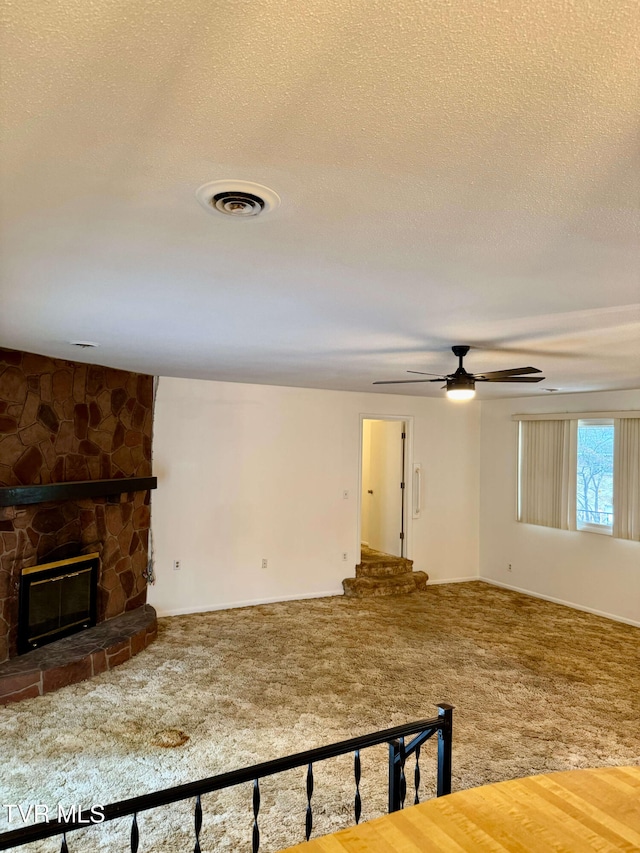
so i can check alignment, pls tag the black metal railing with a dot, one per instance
(594, 516)
(442, 725)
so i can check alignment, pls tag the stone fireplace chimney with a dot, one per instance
(64, 422)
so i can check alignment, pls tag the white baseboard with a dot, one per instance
(181, 611)
(572, 604)
(437, 581)
(230, 605)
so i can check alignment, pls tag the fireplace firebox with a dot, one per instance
(57, 599)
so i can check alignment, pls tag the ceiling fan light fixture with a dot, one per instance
(461, 388)
(461, 385)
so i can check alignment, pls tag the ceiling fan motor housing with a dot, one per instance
(461, 380)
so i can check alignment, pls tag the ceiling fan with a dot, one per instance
(462, 385)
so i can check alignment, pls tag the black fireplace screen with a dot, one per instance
(57, 599)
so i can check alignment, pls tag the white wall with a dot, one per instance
(252, 471)
(589, 570)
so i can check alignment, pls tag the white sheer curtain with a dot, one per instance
(545, 472)
(626, 479)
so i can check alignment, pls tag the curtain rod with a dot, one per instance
(575, 416)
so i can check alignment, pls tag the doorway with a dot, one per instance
(382, 482)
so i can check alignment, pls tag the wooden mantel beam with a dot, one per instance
(18, 495)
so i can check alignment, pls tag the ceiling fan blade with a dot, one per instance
(404, 381)
(510, 379)
(422, 373)
(497, 374)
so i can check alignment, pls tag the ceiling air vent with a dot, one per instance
(240, 199)
(238, 203)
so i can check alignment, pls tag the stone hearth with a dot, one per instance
(78, 657)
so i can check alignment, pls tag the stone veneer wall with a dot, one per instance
(63, 421)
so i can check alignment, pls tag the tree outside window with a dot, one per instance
(594, 484)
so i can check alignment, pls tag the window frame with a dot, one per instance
(590, 526)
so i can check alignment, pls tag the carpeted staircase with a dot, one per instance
(383, 574)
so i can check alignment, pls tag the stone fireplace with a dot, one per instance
(75, 473)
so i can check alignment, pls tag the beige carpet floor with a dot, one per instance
(537, 688)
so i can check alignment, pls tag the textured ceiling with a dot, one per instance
(449, 173)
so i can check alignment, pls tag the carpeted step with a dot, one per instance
(378, 573)
(381, 568)
(375, 564)
(403, 584)
(421, 579)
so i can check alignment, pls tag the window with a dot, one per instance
(581, 472)
(594, 475)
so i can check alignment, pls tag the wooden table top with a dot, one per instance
(572, 812)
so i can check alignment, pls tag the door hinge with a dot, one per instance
(404, 435)
(402, 485)
(401, 535)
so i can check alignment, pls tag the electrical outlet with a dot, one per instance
(509, 567)
(345, 495)
(264, 562)
(176, 565)
(345, 556)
